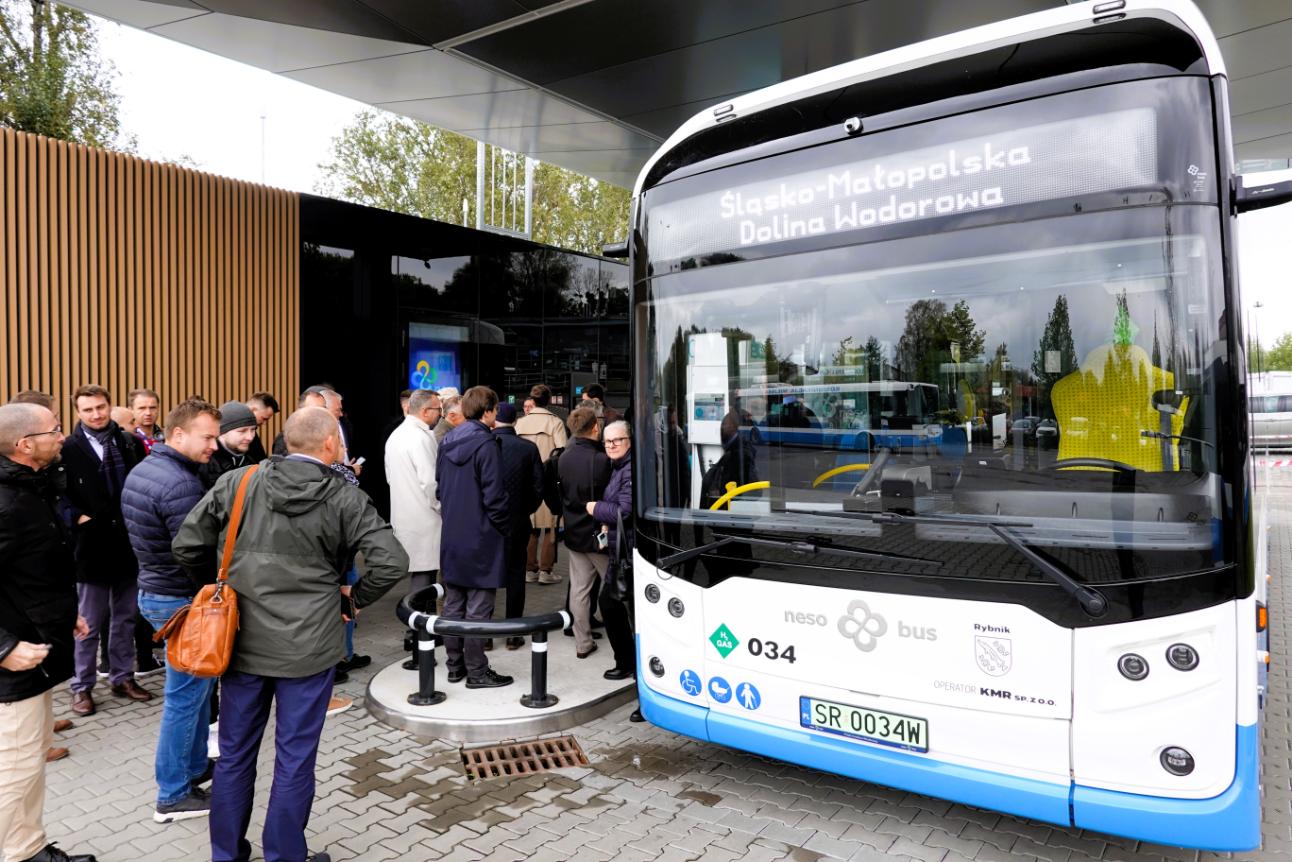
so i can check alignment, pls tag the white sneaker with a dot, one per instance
(549, 578)
(531, 577)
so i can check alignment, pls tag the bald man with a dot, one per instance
(302, 524)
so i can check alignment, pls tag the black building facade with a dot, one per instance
(390, 301)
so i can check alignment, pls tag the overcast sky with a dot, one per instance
(180, 101)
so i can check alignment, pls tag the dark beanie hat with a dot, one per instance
(506, 413)
(235, 414)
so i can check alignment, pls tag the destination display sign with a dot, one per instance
(1089, 154)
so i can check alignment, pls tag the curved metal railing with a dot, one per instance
(413, 612)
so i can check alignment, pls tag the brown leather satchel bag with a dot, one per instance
(199, 636)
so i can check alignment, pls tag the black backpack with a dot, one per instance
(552, 491)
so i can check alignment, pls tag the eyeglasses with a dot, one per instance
(616, 441)
(57, 429)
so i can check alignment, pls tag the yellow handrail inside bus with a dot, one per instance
(734, 490)
(830, 474)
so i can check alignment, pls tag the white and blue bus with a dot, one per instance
(1026, 230)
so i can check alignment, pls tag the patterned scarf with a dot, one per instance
(113, 466)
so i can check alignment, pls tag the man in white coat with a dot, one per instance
(410, 472)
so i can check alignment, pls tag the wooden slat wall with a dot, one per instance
(132, 274)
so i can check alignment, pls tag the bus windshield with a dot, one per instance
(1061, 373)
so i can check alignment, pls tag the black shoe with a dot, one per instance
(354, 662)
(489, 679)
(488, 647)
(457, 675)
(207, 774)
(148, 665)
(196, 804)
(409, 664)
(619, 673)
(636, 716)
(318, 857)
(51, 853)
(515, 643)
(341, 676)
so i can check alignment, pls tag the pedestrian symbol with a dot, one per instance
(719, 689)
(690, 681)
(748, 696)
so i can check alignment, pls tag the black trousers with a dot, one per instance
(617, 616)
(517, 551)
(463, 603)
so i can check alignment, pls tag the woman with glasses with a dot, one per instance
(615, 508)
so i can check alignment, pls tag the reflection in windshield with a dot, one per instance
(1062, 372)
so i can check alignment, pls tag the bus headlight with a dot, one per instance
(1132, 666)
(656, 666)
(1176, 760)
(652, 593)
(675, 607)
(1182, 656)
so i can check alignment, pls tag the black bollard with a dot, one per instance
(410, 647)
(538, 698)
(426, 695)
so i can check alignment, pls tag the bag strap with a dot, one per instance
(622, 553)
(235, 521)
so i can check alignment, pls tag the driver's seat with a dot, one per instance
(1105, 404)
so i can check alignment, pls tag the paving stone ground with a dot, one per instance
(648, 796)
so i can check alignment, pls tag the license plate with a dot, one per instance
(885, 728)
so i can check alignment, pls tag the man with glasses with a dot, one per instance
(38, 623)
(98, 456)
(410, 471)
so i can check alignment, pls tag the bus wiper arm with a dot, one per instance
(1091, 600)
(805, 548)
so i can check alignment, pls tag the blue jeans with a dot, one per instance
(351, 578)
(244, 713)
(186, 713)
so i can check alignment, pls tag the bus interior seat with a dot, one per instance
(1111, 393)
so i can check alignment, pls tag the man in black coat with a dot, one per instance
(233, 448)
(468, 484)
(585, 473)
(98, 456)
(522, 480)
(38, 623)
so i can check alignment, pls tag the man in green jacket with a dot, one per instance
(301, 523)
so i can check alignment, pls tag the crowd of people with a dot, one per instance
(110, 530)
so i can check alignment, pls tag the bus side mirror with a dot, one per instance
(620, 249)
(1248, 198)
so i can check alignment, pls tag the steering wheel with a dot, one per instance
(1104, 463)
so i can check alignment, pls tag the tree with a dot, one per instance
(406, 166)
(52, 80)
(1279, 357)
(960, 328)
(923, 339)
(1056, 354)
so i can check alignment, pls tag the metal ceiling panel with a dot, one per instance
(1227, 17)
(423, 74)
(502, 110)
(136, 13)
(587, 137)
(1258, 50)
(445, 19)
(1278, 147)
(276, 47)
(759, 58)
(338, 16)
(1261, 92)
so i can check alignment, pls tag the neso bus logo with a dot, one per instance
(862, 625)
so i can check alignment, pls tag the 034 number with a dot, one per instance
(770, 650)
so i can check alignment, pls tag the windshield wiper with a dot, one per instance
(1091, 600)
(816, 547)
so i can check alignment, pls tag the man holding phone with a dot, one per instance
(38, 623)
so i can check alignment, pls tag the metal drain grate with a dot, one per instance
(522, 758)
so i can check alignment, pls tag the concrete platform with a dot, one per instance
(495, 714)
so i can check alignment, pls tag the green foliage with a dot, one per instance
(928, 338)
(1057, 337)
(1278, 357)
(52, 80)
(1124, 329)
(400, 164)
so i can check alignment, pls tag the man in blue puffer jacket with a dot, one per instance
(156, 498)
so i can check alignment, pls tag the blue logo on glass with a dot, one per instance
(748, 696)
(719, 689)
(690, 681)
